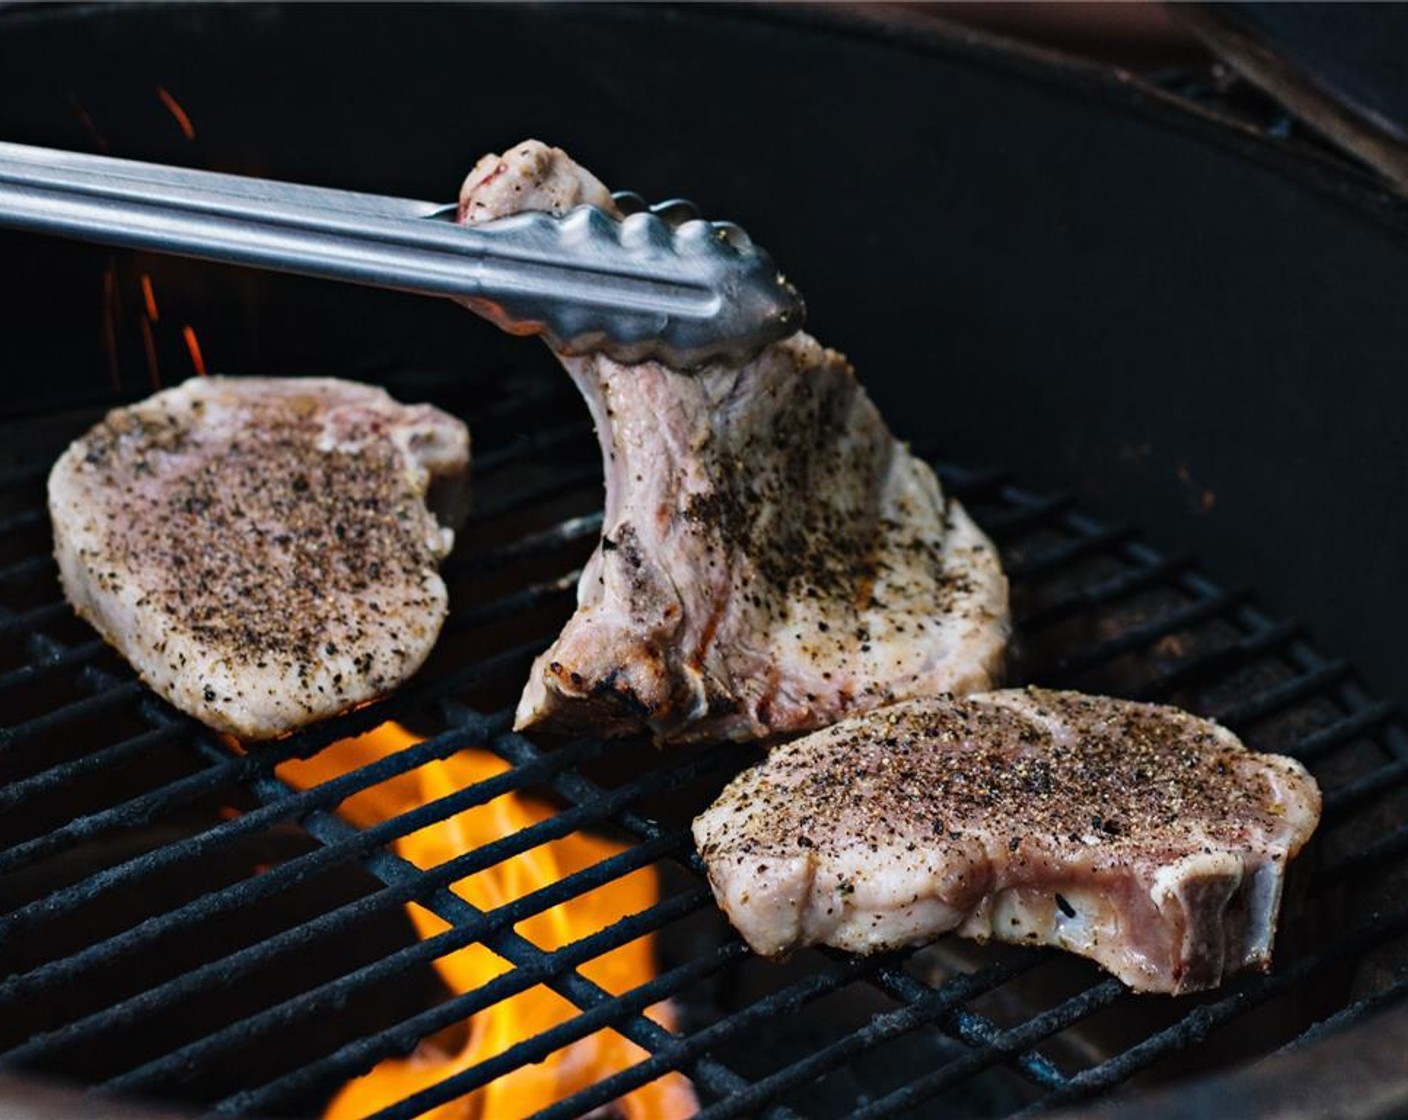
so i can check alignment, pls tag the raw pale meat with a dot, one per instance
(261, 550)
(1138, 835)
(772, 558)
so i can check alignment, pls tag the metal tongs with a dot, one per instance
(660, 283)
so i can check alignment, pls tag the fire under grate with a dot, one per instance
(178, 922)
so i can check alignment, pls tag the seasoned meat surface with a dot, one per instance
(772, 558)
(1137, 835)
(261, 550)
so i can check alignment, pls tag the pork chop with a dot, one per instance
(772, 558)
(1137, 835)
(261, 550)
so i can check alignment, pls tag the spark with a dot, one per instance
(1202, 498)
(188, 332)
(149, 296)
(183, 120)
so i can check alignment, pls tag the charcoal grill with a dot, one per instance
(181, 926)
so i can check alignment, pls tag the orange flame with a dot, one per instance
(492, 1031)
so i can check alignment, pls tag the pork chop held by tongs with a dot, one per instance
(772, 558)
(1137, 835)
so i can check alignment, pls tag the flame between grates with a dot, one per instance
(179, 922)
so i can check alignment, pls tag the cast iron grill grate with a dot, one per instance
(179, 922)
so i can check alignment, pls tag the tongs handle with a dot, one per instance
(636, 288)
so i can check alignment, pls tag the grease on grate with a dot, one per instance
(574, 1067)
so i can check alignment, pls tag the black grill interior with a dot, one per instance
(180, 923)
(1144, 291)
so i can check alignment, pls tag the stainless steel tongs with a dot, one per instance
(662, 283)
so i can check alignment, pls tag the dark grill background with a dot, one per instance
(153, 944)
(1165, 307)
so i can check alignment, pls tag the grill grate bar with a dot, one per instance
(135, 811)
(106, 697)
(1140, 637)
(1128, 583)
(528, 445)
(518, 602)
(546, 1042)
(362, 842)
(929, 1007)
(569, 478)
(1062, 556)
(1013, 521)
(1347, 796)
(545, 542)
(1348, 1016)
(1199, 1022)
(1271, 699)
(59, 776)
(334, 992)
(1369, 858)
(25, 569)
(237, 769)
(971, 1028)
(361, 1054)
(831, 977)
(43, 667)
(1342, 732)
(580, 791)
(964, 483)
(583, 793)
(21, 625)
(144, 807)
(1011, 1041)
(450, 908)
(679, 1054)
(1198, 669)
(286, 874)
(1282, 696)
(513, 947)
(186, 1060)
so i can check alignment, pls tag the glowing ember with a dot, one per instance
(188, 332)
(149, 298)
(492, 1031)
(183, 120)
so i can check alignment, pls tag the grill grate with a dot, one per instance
(143, 953)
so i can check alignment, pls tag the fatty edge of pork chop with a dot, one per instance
(1137, 835)
(772, 558)
(261, 550)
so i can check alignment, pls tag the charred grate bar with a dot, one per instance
(95, 764)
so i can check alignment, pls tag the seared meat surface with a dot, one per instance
(261, 550)
(1137, 835)
(772, 559)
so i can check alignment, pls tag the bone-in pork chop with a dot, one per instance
(1138, 835)
(261, 550)
(772, 558)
